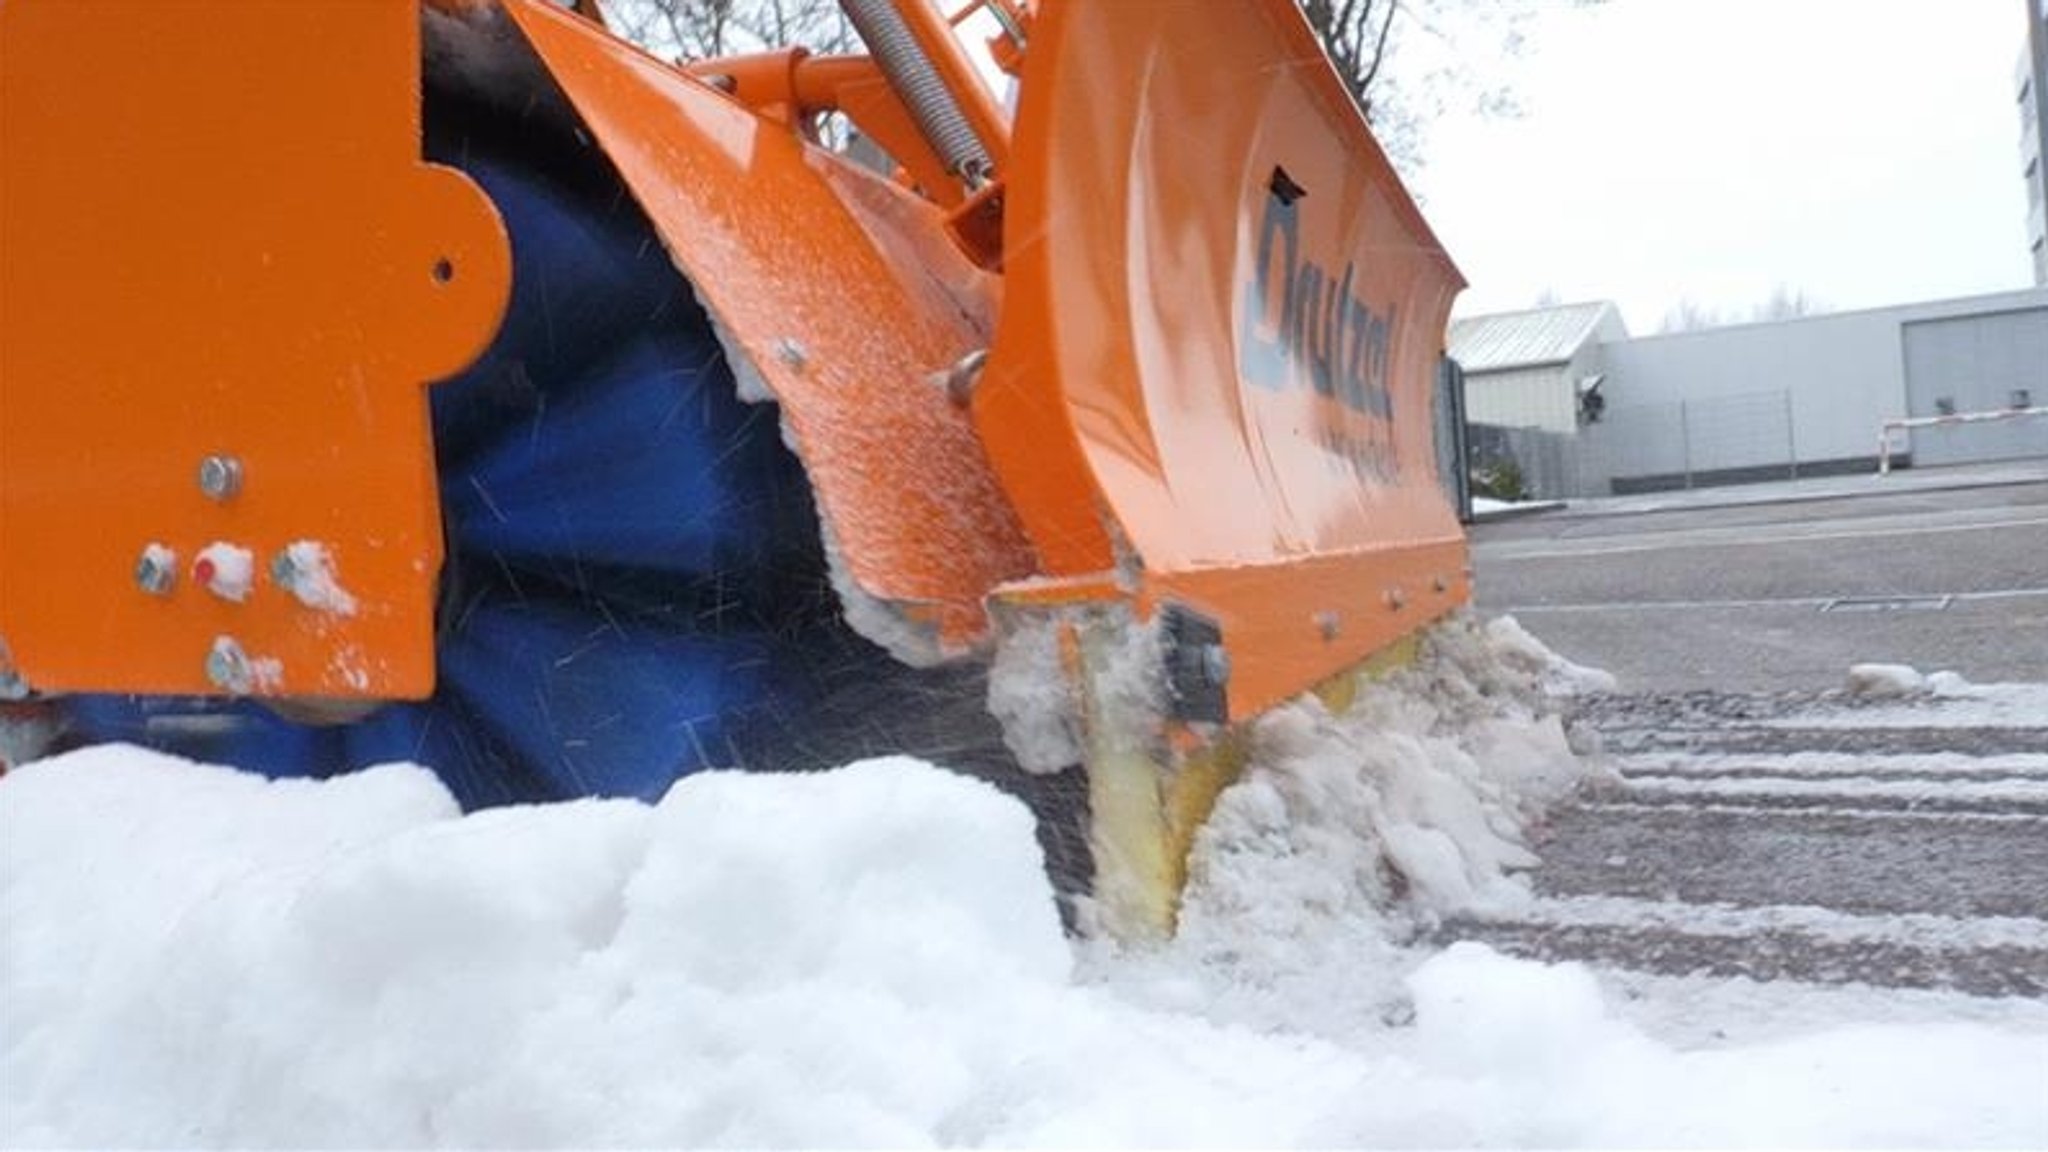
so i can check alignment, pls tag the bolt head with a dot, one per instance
(227, 667)
(220, 477)
(12, 686)
(965, 373)
(156, 570)
(1215, 664)
(791, 352)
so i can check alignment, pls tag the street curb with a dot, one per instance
(1518, 511)
(1603, 506)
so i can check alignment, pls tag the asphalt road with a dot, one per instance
(1758, 822)
(1766, 836)
(1785, 595)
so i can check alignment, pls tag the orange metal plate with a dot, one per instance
(1227, 390)
(843, 292)
(217, 236)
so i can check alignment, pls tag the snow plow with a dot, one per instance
(458, 383)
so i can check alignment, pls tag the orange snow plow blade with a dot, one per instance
(1221, 322)
(1212, 395)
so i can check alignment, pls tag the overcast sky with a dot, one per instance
(1865, 152)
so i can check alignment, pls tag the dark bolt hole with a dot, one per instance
(444, 270)
(1284, 188)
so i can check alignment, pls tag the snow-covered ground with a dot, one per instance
(1486, 507)
(872, 956)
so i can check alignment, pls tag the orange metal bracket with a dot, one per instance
(220, 249)
(793, 84)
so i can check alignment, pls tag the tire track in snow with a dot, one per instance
(1782, 838)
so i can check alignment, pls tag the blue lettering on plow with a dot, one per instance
(1300, 325)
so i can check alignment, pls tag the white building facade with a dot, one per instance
(1763, 401)
(1532, 369)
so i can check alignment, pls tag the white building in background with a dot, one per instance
(2031, 79)
(1751, 401)
(1535, 368)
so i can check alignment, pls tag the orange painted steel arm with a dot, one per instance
(842, 289)
(217, 239)
(792, 85)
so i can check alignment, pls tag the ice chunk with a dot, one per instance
(306, 569)
(1885, 680)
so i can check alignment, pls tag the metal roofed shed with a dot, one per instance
(1529, 369)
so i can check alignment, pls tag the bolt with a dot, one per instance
(965, 373)
(1215, 664)
(1329, 624)
(220, 477)
(791, 352)
(227, 667)
(1396, 599)
(285, 570)
(156, 570)
(1441, 584)
(12, 686)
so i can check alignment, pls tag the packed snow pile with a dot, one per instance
(871, 956)
(1905, 696)
(1352, 831)
(1885, 680)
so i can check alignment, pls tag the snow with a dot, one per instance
(1941, 699)
(872, 956)
(237, 672)
(1807, 765)
(1029, 694)
(1885, 680)
(306, 570)
(1486, 507)
(227, 570)
(1512, 644)
(1859, 787)
(879, 621)
(1726, 920)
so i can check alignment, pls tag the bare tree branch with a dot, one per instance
(696, 29)
(1362, 38)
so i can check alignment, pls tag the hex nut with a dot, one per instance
(220, 477)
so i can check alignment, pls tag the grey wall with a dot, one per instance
(1976, 364)
(1538, 397)
(1808, 391)
(1842, 374)
(1544, 396)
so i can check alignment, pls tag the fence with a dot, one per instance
(1545, 464)
(1651, 447)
